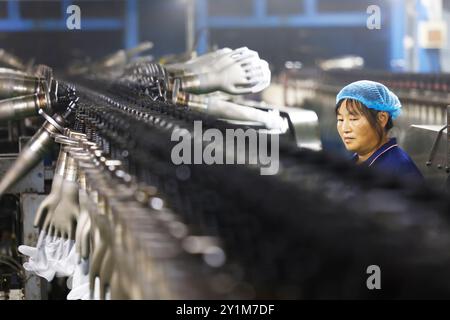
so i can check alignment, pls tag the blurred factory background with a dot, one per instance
(303, 30)
(99, 105)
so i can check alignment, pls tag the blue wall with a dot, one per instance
(307, 31)
(163, 22)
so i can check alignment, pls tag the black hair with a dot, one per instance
(355, 107)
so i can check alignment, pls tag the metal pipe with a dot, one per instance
(31, 154)
(13, 72)
(141, 47)
(10, 60)
(22, 107)
(190, 26)
(13, 86)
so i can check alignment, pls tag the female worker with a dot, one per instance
(365, 110)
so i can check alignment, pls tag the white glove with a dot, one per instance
(44, 257)
(32, 252)
(265, 81)
(36, 254)
(65, 266)
(233, 111)
(80, 293)
(226, 59)
(247, 76)
(275, 121)
(197, 64)
(237, 72)
(80, 282)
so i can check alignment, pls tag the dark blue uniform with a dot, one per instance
(392, 159)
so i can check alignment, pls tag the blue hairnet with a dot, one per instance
(373, 95)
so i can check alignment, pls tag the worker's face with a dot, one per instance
(355, 131)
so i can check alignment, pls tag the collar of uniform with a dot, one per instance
(391, 143)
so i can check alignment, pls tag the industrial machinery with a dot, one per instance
(25, 93)
(123, 220)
